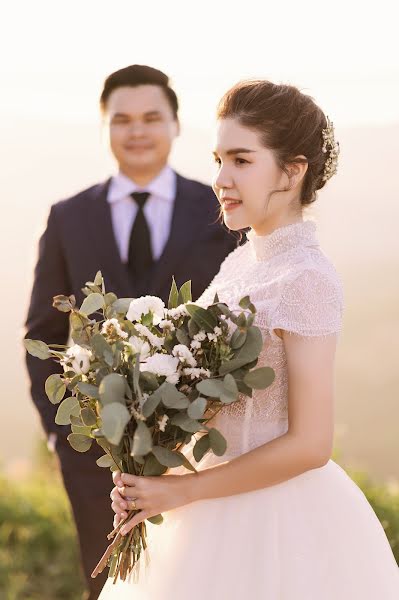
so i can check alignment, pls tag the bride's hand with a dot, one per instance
(151, 496)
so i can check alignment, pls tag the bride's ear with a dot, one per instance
(296, 170)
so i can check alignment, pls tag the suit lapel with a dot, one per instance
(186, 222)
(99, 225)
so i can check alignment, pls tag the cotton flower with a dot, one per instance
(212, 337)
(184, 355)
(195, 344)
(200, 336)
(140, 307)
(154, 340)
(113, 331)
(217, 331)
(140, 346)
(196, 373)
(179, 311)
(166, 324)
(162, 365)
(162, 423)
(78, 359)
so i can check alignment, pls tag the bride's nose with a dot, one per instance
(222, 180)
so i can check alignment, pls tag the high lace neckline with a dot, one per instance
(282, 239)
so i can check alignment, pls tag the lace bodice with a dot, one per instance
(295, 288)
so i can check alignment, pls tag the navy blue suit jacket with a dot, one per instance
(79, 241)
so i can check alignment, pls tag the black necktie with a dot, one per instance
(140, 252)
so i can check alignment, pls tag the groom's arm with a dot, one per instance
(43, 321)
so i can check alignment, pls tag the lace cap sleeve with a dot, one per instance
(310, 305)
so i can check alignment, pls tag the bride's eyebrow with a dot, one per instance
(236, 151)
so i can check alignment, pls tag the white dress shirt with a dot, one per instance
(158, 209)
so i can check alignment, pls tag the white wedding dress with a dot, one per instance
(313, 537)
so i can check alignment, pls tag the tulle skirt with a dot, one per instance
(314, 537)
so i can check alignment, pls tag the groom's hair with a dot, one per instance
(136, 75)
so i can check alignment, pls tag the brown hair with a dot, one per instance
(135, 75)
(289, 122)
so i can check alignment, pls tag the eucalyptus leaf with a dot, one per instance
(81, 429)
(92, 303)
(88, 416)
(150, 405)
(197, 408)
(37, 348)
(67, 407)
(238, 338)
(81, 443)
(87, 389)
(55, 388)
(213, 388)
(182, 337)
(152, 467)
(201, 447)
(102, 349)
(149, 381)
(98, 278)
(156, 520)
(110, 299)
(171, 397)
(230, 389)
(253, 345)
(114, 417)
(193, 328)
(121, 306)
(217, 442)
(185, 423)
(112, 389)
(105, 461)
(142, 440)
(167, 457)
(64, 303)
(259, 379)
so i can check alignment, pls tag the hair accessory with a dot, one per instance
(331, 147)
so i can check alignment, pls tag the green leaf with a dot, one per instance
(55, 388)
(171, 397)
(173, 295)
(92, 303)
(201, 447)
(216, 299)
(98, 278)
(230, 389)
(185, 293)
(112, 389)
(81, 443)
(64, 303)
(114, 418)
(69, 406)
(238, 338)
(37, 348)
(259, 379)
(88, 416)
(166, 457)
(232, 365)
(121, 306)
(182, 337)
(149, 381)
(217, 442)
(110, 299)
(87, 389)
(81, 429)
(105, 461)
(156, 520)
(213, 388)
(142, 440)
(152, 467)
(188, 465)
(193, 328)
(204, 318)
(185, 423)
(197, 408)
(102, 349)
(150, 405)
(253, 345)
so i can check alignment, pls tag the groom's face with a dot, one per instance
(142, 127)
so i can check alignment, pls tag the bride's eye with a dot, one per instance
(241, 161)
(217, 160)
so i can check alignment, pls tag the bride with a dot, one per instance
(274, 518)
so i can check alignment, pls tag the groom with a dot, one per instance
(141, 227)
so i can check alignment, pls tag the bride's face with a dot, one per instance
(246, 175)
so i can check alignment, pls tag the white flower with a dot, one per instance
(111, 328)
(154, 340)
(195, 344)
(179, 311)
(196, 373)
(217, 331)
(184, 355)
(140, 346)
(200, 336)
(140, 307)
(162, 365)
(212, 337)
(166, 324)
(78, 359)
(162, 423)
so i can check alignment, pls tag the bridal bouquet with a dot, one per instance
(143, 380)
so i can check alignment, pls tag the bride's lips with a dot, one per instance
(229, 204)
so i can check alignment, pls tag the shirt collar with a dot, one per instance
(163, 186)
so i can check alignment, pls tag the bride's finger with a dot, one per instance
(118, 510)
(141, 516)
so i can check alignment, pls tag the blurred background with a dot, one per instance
(54, 59)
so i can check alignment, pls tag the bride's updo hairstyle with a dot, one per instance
(290, 124)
